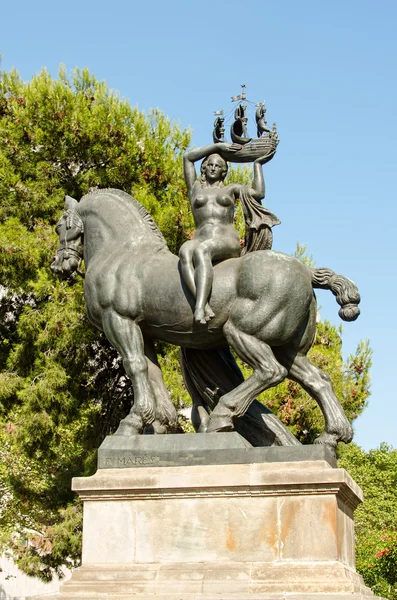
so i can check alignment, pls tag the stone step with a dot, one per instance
(194, 596)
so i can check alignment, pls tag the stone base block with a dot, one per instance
(205, 581)
(247, 531)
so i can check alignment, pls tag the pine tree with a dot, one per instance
(62, 386)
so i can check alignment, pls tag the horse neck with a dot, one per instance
(112, 222)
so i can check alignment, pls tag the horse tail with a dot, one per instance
(345, 291)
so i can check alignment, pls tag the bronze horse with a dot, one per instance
(264, 305)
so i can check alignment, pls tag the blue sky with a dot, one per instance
(328, 73)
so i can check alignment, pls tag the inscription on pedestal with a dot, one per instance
(123, 460)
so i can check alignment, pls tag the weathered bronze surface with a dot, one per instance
(263, 305)
(213, 205)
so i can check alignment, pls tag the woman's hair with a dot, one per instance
(204, 164)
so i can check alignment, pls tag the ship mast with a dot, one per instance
(238, 130)
(244, 109)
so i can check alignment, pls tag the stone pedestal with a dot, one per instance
(247, 531)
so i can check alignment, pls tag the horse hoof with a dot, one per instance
(328, 439)
(125, 429)
(220, 423)
(347, 435)
(129, 427)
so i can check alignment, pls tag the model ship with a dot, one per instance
(264, 145)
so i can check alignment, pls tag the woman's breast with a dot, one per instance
(199, 201)
(215, 198)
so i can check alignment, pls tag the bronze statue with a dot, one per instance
(218, 295)
(213, 204)
(263, 303)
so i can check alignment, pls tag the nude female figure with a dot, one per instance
(212, 203)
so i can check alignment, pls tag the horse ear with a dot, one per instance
(70, 203)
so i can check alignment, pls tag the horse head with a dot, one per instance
(70, 231)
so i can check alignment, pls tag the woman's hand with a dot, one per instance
(264, 159)
(229, 147)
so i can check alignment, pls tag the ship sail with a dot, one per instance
(238, 130)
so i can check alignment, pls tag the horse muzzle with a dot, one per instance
(65, 264)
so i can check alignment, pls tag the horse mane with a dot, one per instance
(146, 216)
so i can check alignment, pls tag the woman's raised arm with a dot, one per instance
(258, 188)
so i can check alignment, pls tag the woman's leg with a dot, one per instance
(203, 275)
(186, 259)
(203, 255)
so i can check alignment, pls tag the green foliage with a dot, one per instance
(41, 554)
(302, 255)
(69, 135)
(62, 386)
(376, 519)
(170, 366)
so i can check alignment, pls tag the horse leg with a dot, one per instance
(126, 336)
(318, 385)
(267, 373)
(165, 415)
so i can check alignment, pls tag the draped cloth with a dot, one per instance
(258, 223)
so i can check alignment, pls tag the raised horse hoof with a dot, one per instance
(220, 423)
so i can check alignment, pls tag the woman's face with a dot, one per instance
(214, 169)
